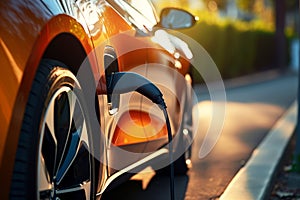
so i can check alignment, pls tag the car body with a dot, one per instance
(56, 38)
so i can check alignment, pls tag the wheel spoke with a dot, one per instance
(70, 156)
(50, 120)
(87, 189)
(77, 117)
(44, 177)
(49, 142)
(84, 135)
(84, 186)
(72, 102)
(62, 124)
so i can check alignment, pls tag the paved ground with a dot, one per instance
(252, 109)
(253, 181)
(251, 112)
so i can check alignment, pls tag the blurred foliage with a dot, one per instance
(221, 4)
(237, 47)
(245, 5)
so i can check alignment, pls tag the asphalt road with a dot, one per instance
(251, 110)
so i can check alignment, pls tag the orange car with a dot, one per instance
(62, 136)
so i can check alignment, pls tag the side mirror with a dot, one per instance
(175, 18)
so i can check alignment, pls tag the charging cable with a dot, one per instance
(124, 82)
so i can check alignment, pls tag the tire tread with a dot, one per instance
(23, 159)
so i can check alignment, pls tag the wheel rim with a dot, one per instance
(64, 163)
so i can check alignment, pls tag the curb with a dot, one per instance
(253, 181)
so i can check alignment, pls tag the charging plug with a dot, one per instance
(124, 82)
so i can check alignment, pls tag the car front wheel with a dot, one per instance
(54, 159)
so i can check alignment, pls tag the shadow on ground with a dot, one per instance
(158, 189)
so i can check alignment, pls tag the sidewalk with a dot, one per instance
(255, 180)
(259, 77)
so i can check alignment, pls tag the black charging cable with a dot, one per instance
(124, 82)
(172, 179)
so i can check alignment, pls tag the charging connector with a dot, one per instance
(124, 82)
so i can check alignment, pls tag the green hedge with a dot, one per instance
(235, 51)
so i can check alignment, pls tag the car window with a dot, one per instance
(139, 13)
(145, 8)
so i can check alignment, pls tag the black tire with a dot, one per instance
(53, 158)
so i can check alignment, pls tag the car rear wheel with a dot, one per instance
(54, 159)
